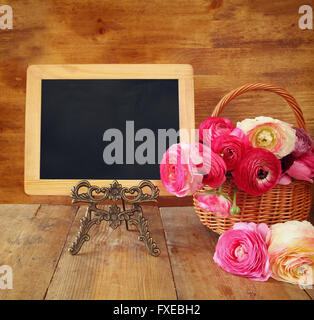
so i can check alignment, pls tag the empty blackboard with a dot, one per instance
(76, 113)
(69, 108)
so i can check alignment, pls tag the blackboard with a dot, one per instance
(75, 113)
(70, 107)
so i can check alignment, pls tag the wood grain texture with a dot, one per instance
(228, 43)
(114, 265)
(191, 248)
(32, 238)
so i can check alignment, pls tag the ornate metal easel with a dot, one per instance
(115, 214)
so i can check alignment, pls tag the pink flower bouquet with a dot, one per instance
(257, 154)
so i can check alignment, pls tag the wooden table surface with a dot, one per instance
(114, 265)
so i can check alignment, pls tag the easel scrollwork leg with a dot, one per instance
(115, 214)
(86, 223)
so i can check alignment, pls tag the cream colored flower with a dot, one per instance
(274, 135)
(291, 252)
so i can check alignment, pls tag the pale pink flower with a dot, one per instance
(212, 202)
(242, 251)
(182, 168)
(274, 135)
(291, 252)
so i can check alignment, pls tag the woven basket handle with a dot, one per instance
(266, 87)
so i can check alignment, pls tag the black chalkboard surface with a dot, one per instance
(75, 113)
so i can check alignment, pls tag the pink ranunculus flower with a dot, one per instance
(214, 127)
(308, 159)
(274, 135)
(231, 148)
(303, 143)
(237, 132)
(258, 171)
(301, 169)
(291, 252)
(200, 158)
(242, 250)
(213, 202)
(217, 173)
(182, 168)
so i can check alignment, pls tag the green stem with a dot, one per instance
(235, 209)
(219, 190)
(235, 195)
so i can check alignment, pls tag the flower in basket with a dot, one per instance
(291, 251)
(231, 147)
(242, 250)
(211, 201)
(216, 175)
(274, 135)
(300, 169)
(303, 143)
(214, 127)
(259, 153)
(258, 171)
(182, 168)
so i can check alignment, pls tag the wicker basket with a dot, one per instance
(280, 204)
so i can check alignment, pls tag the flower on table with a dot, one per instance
(213, 202)
(242, 250)
(214, 127)
(274, 135)
(258, 172)
(291, 252)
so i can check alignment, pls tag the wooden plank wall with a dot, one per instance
(229, 43)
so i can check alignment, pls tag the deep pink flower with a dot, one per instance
(301, 169)
(240, 134)
(217, 173)
(231, 148)
(258, 172)
(212, 202)
(214, 127)
(308, 159)
(242, 251)
(303, 143)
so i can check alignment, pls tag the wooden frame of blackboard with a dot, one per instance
(33, 185)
